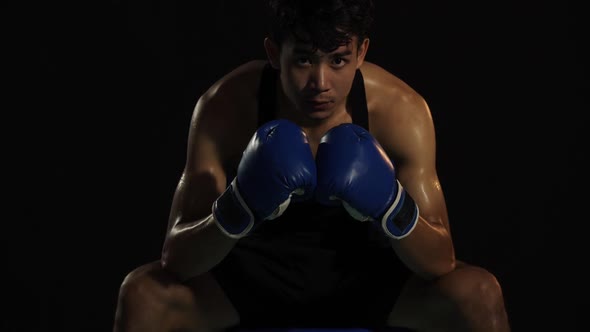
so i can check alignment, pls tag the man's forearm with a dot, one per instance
(193, 248)
(428, 250)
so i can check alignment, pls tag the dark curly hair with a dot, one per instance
(325, 24)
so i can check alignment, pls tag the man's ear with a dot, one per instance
(272, 52)
(362, 52)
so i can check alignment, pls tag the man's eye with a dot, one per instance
(339, 62)
(303, 61)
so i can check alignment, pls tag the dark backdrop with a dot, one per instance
(103, 93)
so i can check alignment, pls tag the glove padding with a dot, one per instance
(354, 170)
(276, 164)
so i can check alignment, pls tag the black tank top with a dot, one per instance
(313, 257)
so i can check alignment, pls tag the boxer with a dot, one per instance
(310, 198)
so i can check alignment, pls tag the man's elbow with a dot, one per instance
(439, 269)
(446, 266)
(172, 263)
(436, 269)
(184, 267)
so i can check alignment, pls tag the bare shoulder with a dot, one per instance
(239, 82)
(388, 93)
(399, 116)
(233, 92)
(226, 112)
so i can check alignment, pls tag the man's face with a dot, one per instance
(315, 82)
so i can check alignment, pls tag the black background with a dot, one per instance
(98, 101)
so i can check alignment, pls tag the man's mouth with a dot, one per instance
(319, 105)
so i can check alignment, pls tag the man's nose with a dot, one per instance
(318, 79)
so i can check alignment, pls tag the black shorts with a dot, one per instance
(312, 267)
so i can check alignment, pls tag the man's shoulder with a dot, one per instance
(381, 83)
(234, 95)
(386, 92)
(228, 109)
(242, 81)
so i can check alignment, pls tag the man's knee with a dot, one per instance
(477, 297)
(476, 287)
(141, 283)
(139, 288)
(152, 296)
(150, 284)
(147, 296)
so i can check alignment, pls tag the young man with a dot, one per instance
(310, 198)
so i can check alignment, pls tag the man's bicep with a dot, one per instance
(424, 187)
(410, 141)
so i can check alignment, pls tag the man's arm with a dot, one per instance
(222, 124)
(408, 137)
(194, 243)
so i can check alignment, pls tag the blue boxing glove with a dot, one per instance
(276, 164)
(354, 170)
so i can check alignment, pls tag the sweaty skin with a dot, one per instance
(179, 293)
(312, 93)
